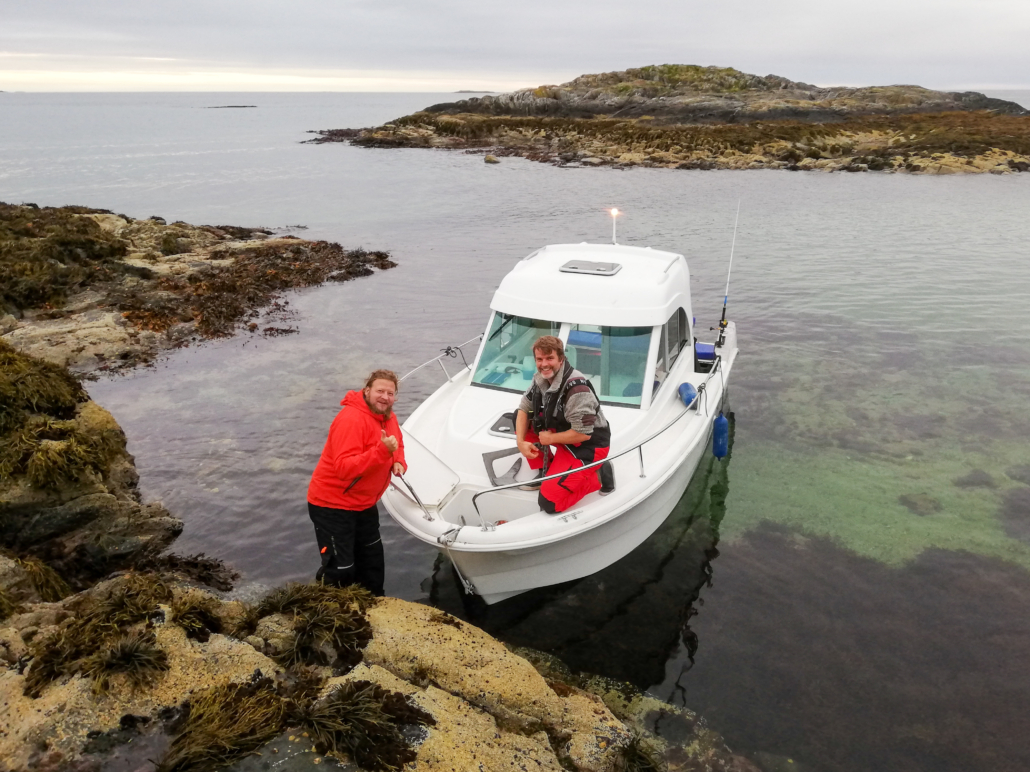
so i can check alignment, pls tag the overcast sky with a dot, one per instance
(444, 45)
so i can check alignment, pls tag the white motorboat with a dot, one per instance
(624, 314)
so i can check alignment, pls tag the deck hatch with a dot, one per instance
(591, 267)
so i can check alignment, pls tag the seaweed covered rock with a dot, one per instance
(144, 667)
(94, 290)
(68, 496)
(109, 653)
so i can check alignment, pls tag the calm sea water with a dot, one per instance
(843, 592)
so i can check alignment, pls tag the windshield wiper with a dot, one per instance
(497, 332)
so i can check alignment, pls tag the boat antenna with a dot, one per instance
(726, 295)
(614, 213)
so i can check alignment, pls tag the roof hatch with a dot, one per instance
(591, 267)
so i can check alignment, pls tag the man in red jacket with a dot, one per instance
(364, 447)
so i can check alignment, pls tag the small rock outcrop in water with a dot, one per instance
(689, 117)
(98, 291)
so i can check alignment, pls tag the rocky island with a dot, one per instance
(692, 117)
(117, 655)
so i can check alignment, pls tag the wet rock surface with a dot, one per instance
(97, 291)
(687, 117)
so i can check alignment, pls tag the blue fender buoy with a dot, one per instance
(721, 437)
(687, 393)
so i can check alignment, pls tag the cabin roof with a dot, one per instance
(648, 287)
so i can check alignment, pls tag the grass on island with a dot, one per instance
(223, 724)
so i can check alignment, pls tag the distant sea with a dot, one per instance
(847, 592)
(1021, 97)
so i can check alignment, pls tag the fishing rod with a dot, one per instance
(726, 295)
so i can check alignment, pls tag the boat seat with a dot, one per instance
(704, 356)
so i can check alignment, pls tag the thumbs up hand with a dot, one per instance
(389, 441)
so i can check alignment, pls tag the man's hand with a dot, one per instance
(390, 442)
(528, 449)
(398, 468)
(547, 438)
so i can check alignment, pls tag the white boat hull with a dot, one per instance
(504, 574)
(624, 315)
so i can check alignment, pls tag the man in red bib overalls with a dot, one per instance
(560, 420)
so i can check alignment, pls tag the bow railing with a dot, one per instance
(451, 352)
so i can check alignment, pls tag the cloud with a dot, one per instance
(536, 41)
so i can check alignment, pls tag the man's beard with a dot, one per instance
(376, 410)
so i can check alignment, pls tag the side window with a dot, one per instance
(613, 358)
(665, 359)
(675, 332)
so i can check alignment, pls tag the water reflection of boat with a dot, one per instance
(624, 314)
(627, 620)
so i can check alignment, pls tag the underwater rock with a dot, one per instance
(921, 504)
(977, 478)
(1019, 473)
(1015, 513)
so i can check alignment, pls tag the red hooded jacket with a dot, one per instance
(354, 470)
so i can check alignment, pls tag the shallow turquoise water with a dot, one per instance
(883, 322)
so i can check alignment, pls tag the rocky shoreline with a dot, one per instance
(96, 291)
(686, 117)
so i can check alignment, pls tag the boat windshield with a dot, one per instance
(613, 358)
(507, 361)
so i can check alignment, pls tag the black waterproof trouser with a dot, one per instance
(350, 546)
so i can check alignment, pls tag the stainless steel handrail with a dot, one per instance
(446, 354)
(487, 526)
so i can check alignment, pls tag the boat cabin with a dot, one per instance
(622, 312)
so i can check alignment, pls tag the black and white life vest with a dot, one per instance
(549, 408)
